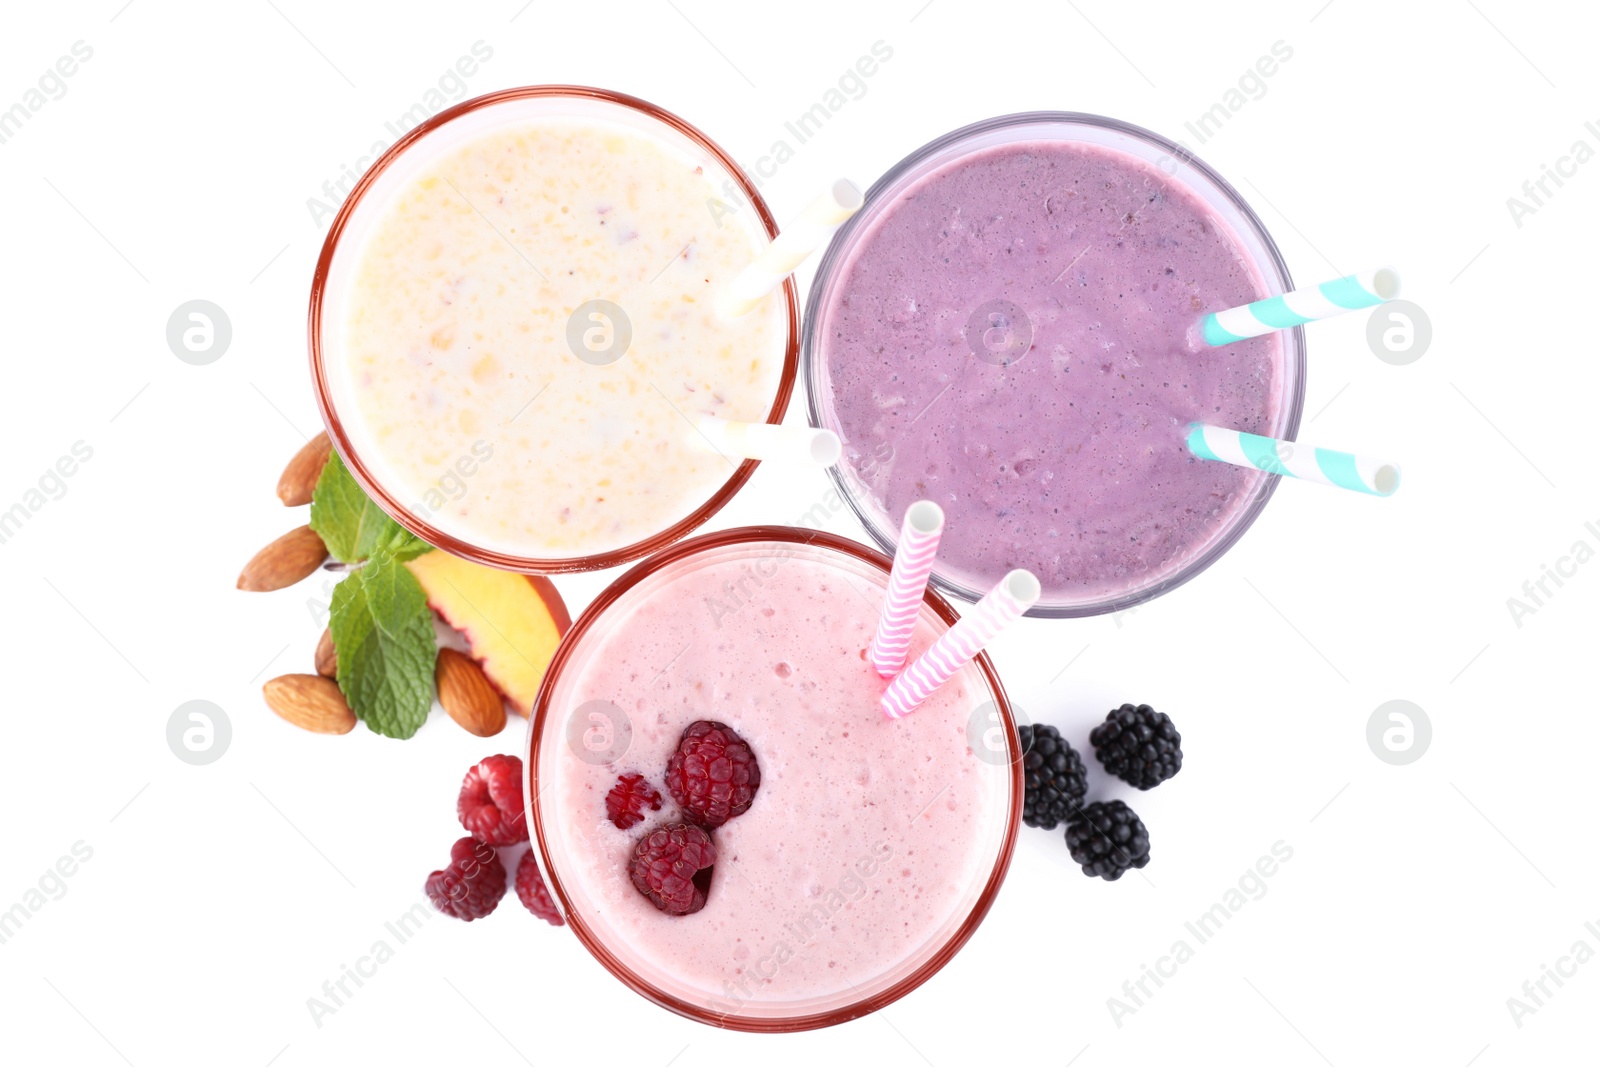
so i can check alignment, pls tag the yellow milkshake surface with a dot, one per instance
(490, 393)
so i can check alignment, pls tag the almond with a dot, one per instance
(287, 560)
(310, 702)
(466, 694)
(300, 476)
(327, 656)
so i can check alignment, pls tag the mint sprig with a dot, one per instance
(383, 633)
(382, 628)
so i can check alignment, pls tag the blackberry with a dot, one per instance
(1055, 776)
(1138, 745)
(1107, 839)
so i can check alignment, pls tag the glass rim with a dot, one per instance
(886, 534)
(387, 501)
(532, 747)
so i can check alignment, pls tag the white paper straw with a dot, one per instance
(764, 441)
(807, 233)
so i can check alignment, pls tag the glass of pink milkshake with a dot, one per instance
(872, 848)
(1006, 328)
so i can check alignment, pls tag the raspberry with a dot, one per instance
(629, 799)
(672, 866)
(713, 774)
(471, 887)
(1139, 745)
(532, 892)
(1107, 839)
(490, 805)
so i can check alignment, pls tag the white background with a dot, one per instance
(219, 898)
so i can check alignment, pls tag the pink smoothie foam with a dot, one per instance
(866, 838)
(1068, 460)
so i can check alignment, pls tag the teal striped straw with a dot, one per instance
(1301, 306)
(1306, 462)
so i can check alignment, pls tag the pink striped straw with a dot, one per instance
(1002, 606)
(913, 561)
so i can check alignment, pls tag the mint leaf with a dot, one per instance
(407, 546)
(383, 632)
(349, 523)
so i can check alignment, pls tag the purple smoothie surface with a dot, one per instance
(1011, 338)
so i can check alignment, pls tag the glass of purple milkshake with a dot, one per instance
(1007, 328)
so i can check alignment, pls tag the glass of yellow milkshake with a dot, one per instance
(514, 335)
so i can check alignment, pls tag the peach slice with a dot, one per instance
(512, 622)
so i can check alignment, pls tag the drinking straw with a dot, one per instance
(1307, 463)
(763, 440)
(1303, 305)
(1000, 607)
(807, 233)
(913, 561)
